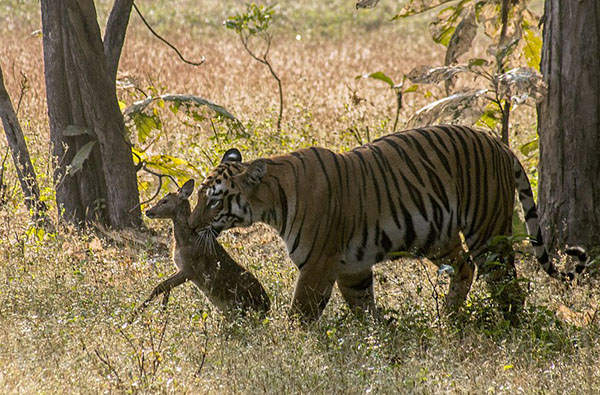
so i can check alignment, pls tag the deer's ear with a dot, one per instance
(232, 155)
(187, 189)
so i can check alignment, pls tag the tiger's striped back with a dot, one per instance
(340, 213)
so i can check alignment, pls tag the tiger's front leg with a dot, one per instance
(313, 289)
(357, 290)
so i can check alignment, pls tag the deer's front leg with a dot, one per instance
(166, 287)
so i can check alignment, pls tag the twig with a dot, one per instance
(24, 88)
(139, 359)
(434, 291)
(3, 187)
(165, 41)
(106, 361)
(204, 351)
(264, 60)
(398, 107)
(141, 165)
(507, 103)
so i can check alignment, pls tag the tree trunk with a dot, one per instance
(80, 92)
(569, 124)
(20, 154)
(114, 36)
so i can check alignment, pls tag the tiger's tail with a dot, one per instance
(533, 228)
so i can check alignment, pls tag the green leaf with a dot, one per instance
(144, 124)
(378, 76)
(444, 36)
(80, 157)
(533, 48)
(478, 62)
(527, 148)
(412, 88)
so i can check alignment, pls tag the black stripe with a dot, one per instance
(312, 247)
(483, 197)
(367, 165)
(386, 243)
(338, 170)
(416, 197)
(531, 213)
(431, 237)
(438, 215)
(377, 155)
(438, 187)
(365, 232)
(409, 234)
(464, 177)
(316, 152)
(406, 159)
(391, 202)
(298, 235)
(284, 209)
(435, 132)
(450, 225)
(443, 159)
(525, 193)
(538, 241)
(376, 187)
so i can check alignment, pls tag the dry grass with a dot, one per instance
(65, 299)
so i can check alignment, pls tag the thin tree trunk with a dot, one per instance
(20, 154)
(114, 36)
(569, 124)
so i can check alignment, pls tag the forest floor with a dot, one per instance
(66, 297)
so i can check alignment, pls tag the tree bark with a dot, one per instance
(81, 92)
(114, 35)
(20, 154)
(569, 125)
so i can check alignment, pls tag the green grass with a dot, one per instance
(66, 303)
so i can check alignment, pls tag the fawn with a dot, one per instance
(204, 262)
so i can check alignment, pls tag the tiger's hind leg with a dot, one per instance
(460, 282)
(357, 290)
(313, 289)
(500, 274)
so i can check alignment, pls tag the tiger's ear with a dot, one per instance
(186, 190)
(254, 173)
(232, 155)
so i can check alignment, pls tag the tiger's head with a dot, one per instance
(225, 196)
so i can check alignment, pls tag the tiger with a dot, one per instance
(426, 191)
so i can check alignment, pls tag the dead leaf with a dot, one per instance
(579, 319)
(95, 245)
